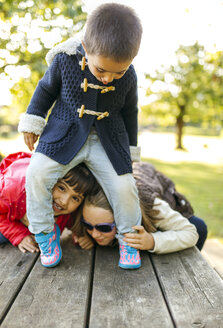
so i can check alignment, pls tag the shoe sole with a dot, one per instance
(125, 266)
(52, 265)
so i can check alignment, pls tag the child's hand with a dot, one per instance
(28, 244)
(85, 242)
(142, 240)
(30, 139)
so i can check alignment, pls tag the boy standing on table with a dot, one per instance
(94, 120)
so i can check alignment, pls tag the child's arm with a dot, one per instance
(176, 234)
(14, 230)
(18, 234)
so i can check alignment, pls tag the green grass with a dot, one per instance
(202, 184)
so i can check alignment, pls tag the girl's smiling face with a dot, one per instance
(65, 198)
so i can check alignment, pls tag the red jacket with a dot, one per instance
(13, 198)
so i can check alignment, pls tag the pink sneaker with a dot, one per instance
(49, 245)
(129, 257)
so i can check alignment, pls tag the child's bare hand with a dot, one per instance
(142, 240)
(30, 139)
(85, 242)
(28, 244)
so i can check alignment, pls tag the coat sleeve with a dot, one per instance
(14, 230)
(47, 90)
(174, 233)
(130, 117)
(130, 112)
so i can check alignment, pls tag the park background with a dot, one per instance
(180, 75)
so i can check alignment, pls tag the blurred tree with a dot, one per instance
(189, 91)
(28, 29)
(214, 64)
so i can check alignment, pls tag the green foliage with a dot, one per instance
(202, 185)
(189, 91)
(28, 30)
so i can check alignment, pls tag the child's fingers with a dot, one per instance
(139, 228)
(35, 138)
(138, 246)
(35, 249)
(132, 235)
(82, 242)
(30, 248)
(31, 145)
(132, 240)
(32, 244)
(82, 245)
(27, 141)
(75, 239)
(85, 244)
(88, 246)
(21, 248)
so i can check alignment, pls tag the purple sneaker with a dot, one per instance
(129, 257)
(50, 249)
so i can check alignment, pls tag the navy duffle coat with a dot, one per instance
(65, 132)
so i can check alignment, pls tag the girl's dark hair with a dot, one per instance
(114, 31)
(81, 179)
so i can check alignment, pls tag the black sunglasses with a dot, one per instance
(102, 227)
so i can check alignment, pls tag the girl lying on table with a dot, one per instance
(169, 223)
(68, 194)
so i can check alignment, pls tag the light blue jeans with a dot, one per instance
(43, 173)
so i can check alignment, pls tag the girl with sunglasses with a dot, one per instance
(169, 223)
(68, 194)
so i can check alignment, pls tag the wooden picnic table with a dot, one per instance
(88, 289)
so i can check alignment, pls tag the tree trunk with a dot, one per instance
(179, 128)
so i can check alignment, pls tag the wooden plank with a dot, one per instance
(193, 290)
(14, 269)
(56, 297)
(126, 298)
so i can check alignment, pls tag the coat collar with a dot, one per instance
(71, 47)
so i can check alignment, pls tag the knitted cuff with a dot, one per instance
(135, 153)
(31, 123)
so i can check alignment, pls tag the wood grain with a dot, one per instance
(193, 290)
(14, 269)
(126, 298)
(55, 297)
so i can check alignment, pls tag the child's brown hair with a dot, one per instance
(114, 31)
